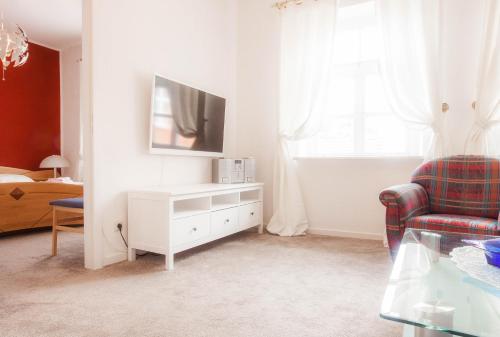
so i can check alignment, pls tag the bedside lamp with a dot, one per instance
(54, 162)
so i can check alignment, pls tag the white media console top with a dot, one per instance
(198, 188)
(170, 219)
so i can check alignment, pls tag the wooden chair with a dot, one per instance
(70, 205)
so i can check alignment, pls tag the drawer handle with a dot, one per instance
(251, 213)
(227, 220)
(195, 229)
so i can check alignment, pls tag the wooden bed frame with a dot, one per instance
(26, 205)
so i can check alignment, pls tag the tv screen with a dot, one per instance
(186, 119)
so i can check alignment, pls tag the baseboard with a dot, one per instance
(115, 258)
(346, 234)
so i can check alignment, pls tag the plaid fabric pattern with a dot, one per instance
(466, 185)
(454, 223)
(402, 202)
(455, 194)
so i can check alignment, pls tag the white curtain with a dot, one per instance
(307, 35)
(410, 64)
(487, 107)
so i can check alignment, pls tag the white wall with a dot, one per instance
(341, 195)
(258, 88)
(192, 41)
(70, 108)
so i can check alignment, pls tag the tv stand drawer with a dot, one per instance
(190, 229)
(249, 215)
(224, 221)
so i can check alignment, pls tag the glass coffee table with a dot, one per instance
(432, 297)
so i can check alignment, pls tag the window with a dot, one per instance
(358, 120)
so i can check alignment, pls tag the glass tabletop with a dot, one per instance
(427, 290)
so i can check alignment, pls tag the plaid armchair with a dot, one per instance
(455, 194)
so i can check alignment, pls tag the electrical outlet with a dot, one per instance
(119, 228)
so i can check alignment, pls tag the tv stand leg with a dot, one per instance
(260, 229)
(169, 262)
(131, 254)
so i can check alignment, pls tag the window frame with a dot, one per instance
(359, 114)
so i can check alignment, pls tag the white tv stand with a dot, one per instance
(171, 219)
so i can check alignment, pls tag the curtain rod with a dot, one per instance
(284, 3)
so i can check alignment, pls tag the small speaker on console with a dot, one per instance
(249, 170)
(233, 171)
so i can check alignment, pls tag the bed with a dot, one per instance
(24, 202)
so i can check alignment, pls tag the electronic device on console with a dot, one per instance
(233, 171)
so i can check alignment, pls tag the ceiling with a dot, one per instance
(55, 24)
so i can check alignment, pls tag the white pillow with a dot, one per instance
(14, 178)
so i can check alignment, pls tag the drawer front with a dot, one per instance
(190, 229)
(224, 221)
(250, 215)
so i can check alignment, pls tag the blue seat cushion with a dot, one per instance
(69, 202)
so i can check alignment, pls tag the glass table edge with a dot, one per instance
(423, 326)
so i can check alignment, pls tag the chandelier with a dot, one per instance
(13, 46)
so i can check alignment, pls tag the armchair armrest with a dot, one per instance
(411, 200)
(402, 202)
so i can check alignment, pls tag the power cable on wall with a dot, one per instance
(120, 227)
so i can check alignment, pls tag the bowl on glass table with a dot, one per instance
(491, 250)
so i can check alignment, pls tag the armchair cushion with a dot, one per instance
(454, 223)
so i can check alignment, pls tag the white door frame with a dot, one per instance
(93, 232)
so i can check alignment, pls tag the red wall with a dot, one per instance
(30, 110)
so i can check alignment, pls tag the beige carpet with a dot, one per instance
(246, 285)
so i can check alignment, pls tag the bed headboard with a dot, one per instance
(35, 175)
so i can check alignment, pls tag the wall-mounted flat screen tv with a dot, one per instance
(185, 120)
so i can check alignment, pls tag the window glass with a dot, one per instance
(358, 119)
